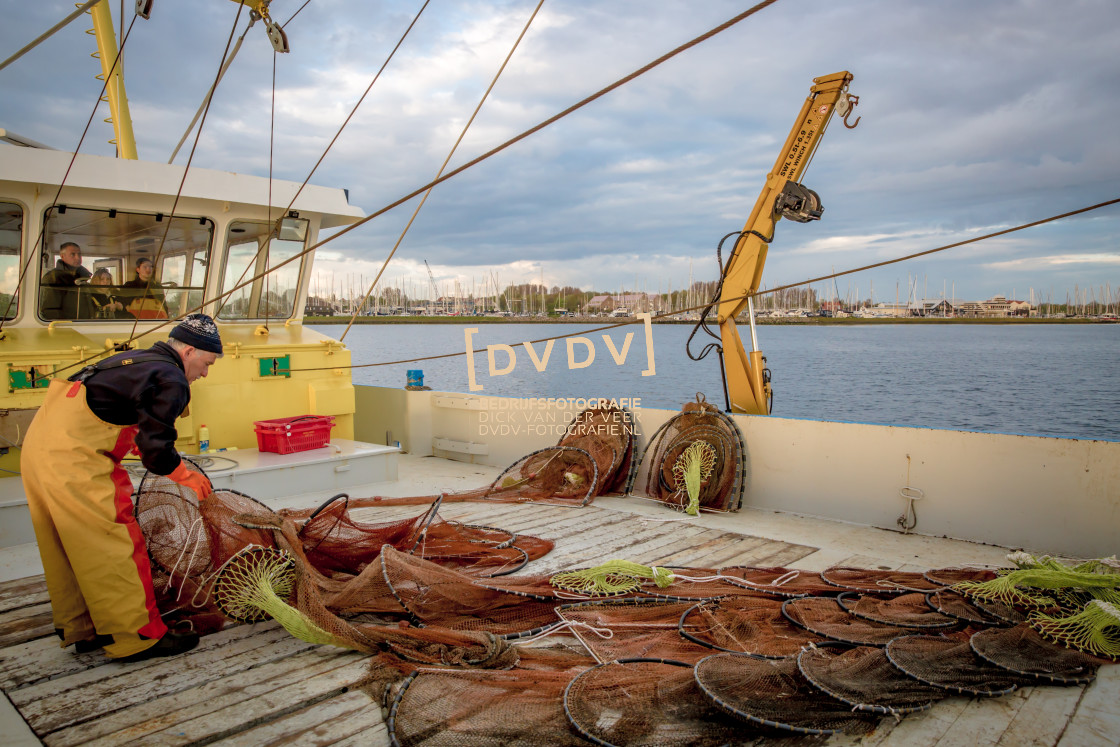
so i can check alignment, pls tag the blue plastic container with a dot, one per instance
(414, 377)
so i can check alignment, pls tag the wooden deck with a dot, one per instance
(256, 685)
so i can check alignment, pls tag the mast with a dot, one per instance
(108, 52)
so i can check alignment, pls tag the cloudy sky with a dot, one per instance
(976, 116)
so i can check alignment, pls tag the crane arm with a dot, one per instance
(782, 196)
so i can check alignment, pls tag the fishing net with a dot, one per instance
(865, 679)
(1095, 629)
(1005, 614)
(662, 705)
(631, 628)
(334, 541)
(773, 693)
(516, 708)
(906, 610)
(950, 576)
(825, 617)
(1023, 651)
(745, 625)
(663, 473)
(877, 581)
(592, 458)
(948, 663)
(781, 582)
(955, 605)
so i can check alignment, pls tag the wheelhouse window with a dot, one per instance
(112, 264)
(11, 239)
(255, 253)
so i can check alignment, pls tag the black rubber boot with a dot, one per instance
(93, 644)
(171, 644)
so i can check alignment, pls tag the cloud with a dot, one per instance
(1055, 260)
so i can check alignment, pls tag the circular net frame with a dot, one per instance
(950, 576)
(1023, 651)
(745, 625)
(662, 705)
(778, 581)
(518, 708)
(956, 605)
(905, 610)
(610, 426)
(865, 679)
(948, 663)
(236, 581)
(655, 476)
(877, 581)
(825, 617)
(631, 628)
(773, 693)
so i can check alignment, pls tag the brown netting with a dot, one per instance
(948, 663)
(781, 582)
(950, 603)
(661, 706)
(950, 576)
(1023, 651)
(824, 616)
(592, 458)
(518, 708)
(654, 476)
(1004, 613)
(631, 628)
(745, 625)
(905, 610)
(773, 693)
(864, 678)
(877, 581)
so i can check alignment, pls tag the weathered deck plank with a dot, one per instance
(23, 592)
(26, 624)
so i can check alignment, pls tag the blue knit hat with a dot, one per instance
(198, 331)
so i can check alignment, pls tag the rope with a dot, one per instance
(210, 94)
(50, 32)
(187, 167)
(73, 157)
(443, 166)
(688, 45)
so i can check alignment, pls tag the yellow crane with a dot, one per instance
(783, 196)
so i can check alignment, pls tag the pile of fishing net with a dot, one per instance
(592, 458)
(460, 655)
(695, 460)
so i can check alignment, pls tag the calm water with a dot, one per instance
(1054, 380)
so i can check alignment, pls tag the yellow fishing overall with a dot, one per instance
(93, 551)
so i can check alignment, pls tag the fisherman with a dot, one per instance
(94, 555)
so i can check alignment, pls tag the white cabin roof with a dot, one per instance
(47, 167)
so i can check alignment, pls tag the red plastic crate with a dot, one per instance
(288, 435)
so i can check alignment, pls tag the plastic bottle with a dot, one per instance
(203, 439)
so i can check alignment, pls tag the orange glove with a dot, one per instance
(194, 480)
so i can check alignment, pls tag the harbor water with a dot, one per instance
(1034, 379)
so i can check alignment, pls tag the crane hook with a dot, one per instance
(845, 106)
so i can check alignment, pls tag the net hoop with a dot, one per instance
(682, 629)
(808, 661)
(901, 652)
(1067, 666)
(246, 561)
(592, 487)
(791, 608)
(956, 575)
(849, 599)
(573, 689)
(787, 668)
(877, 581)
(958, 606)
(1006, 615)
